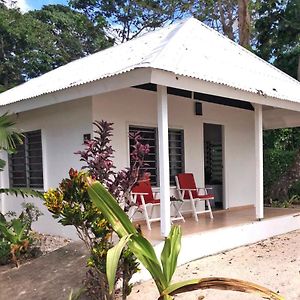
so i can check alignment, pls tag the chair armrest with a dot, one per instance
(188, 189)
(139, 194)
(204, 188)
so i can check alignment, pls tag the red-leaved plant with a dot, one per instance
(98, 157)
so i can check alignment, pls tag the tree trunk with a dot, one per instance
(280, 189)
(244, 23)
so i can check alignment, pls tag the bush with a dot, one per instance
(16, 237)
(71, 205)
(294, 193)
(276, 162)
(4, 252)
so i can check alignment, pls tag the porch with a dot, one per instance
(229, 229)
(234, 218)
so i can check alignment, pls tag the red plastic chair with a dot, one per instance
(187, 190)
(142, 195)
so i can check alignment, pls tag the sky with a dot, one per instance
(26, 5)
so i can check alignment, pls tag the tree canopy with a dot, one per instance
(127, 19)
(36, 42)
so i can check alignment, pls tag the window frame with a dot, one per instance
(27, 164)
(155, 129)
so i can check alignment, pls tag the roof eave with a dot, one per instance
(101, 86)
(165, 78)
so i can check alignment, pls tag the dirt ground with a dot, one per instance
(273, 263)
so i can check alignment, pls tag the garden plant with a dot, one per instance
(71, 205)
(161, 271)
(16, 236)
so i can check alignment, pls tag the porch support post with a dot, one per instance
(259, 184)
(164, 173)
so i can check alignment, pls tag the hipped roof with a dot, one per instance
(188, 48)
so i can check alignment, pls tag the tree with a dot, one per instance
(127, 19)
(230, 17)
(37, 42)
(74, 35)
(278, 34)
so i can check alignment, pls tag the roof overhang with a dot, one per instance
(201, 86)
(105, 85)
(280, 118)
(148, 75)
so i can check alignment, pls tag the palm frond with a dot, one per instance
(10, 137)
(23, 192)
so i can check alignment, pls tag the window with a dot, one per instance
(26, 165)
(176, 152)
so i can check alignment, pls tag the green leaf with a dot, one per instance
(9, 136)
(8, 234)
(23, 192)
(2, 164)
(121, 224)
(170, 252)
(112, 259)
(111, 209)
(19, 229)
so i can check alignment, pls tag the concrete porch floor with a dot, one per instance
(228, 230)
(222, 218)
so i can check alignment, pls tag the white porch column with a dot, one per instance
(259, 184)
(164, 173)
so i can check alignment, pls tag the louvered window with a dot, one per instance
(176, 152)
(26, 165)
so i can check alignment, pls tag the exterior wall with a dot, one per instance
(137, 107)
(62, 126)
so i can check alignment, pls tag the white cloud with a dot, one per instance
(22, 4)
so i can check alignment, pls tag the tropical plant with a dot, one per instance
(161, 271)
(71, 205)
(15, 233)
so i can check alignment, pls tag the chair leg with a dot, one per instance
(132, 212)
(194, 209)
(147, 217)
(209, 209)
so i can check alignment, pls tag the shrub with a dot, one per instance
(276, 162)
(71, 205)
(16, 237)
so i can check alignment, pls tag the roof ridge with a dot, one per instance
(174, 35)
(167, 41)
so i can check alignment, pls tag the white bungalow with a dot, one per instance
(213, 95)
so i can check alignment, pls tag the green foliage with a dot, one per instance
(4, 252)
(280, 149)
(127, 19)
(161, 271)
(278, 33)
(15, 233)
(294, 192)
(71, 205)
(276, 163)
(39, 41)
(10, 137)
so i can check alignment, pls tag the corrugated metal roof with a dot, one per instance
(188, 48)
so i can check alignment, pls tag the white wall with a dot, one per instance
(137, 107)
(62, 126)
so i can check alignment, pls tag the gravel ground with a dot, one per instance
(46, 243)
(273, 263)
(49, 243)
